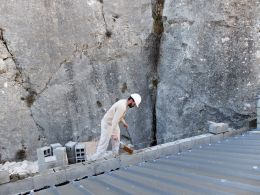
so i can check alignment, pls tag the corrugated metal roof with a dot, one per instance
(231, 166)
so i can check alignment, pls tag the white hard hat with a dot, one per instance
(137, 98)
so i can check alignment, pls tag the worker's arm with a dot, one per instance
(124, 123)
(117, 117)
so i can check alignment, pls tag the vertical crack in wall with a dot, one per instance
(19, 72)
(103, 15)
(5, 43)
(30, 98)
(108, 32)
(155, 40)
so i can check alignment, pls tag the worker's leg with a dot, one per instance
(103, 141)
(115, 141)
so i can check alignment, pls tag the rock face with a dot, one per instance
(17, 128)
(64, 63)
(73, 59)
(209, 65)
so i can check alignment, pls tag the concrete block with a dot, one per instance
(155, 152)
(228, 134)
(231, 132)
(45, 160)
(106, 165)
(202, 139)
(186, 144)
(149, 154)
(49, 178)
(254, 131)
(217, 128)
(17, 187)
(80, 152)
(43, 152)
(4, 177)
(54, 146)
(59, 177)
(80, 170)
(61, 156)
(47, 151)
(127, 160)
(168, 149)
(216, 138)
(242, 130)
(48, 163)
(70, 149)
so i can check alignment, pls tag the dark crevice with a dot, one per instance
(5, 43)
(21, 154)
(108, 32)
(30, 98)
(157, 13)
(40, 128)
(18, 76)
(25, 83)
(31, 93)
(62, 184)
(44, 188)
(154, 41)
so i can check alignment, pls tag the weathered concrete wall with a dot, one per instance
(73, 59)
(209, 65)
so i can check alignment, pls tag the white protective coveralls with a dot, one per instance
(110, 128)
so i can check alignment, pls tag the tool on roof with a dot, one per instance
(127, 148)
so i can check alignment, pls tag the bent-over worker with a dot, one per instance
(110, 125)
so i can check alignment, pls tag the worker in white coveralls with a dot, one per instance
(110, 125)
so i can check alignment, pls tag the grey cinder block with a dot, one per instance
(185, 144)
(48, 163)
(107, 165)
(241, 130)
(216, 138)
(77, 171)
(61, 156)
(217, 128)
(17, 187)
(45, 160)
(202, 139)
(4, 177)
(150, 153)
(168, 149)
(80, 152)
(127, 160)
(49, 178)
(54, 146)
(231, 132)
(70, 149)
(43, 152)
